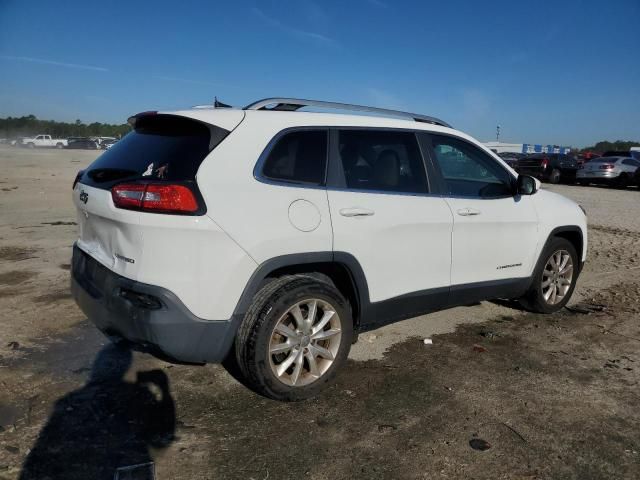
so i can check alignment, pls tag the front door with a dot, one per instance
(494, 231)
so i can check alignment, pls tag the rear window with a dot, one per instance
(161, 148)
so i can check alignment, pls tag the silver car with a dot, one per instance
(616, 171)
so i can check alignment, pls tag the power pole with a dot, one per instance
(498, 133)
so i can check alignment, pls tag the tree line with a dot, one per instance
(618, 146)
(29, 125)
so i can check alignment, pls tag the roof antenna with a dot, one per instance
(217, 104)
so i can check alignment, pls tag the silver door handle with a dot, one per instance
(468, 212)
(356, 212)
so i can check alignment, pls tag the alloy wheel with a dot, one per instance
(557, 277)
(305, 342)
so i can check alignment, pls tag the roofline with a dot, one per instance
(293, 104)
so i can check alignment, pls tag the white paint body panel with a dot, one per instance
(497, 242)
(404, 247)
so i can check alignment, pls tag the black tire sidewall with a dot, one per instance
(554, 176)
(536, 299)
(255, 354)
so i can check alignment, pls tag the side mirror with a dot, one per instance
(526, 185)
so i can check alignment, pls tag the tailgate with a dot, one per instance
(109, 234)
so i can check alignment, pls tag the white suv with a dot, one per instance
(273, 236)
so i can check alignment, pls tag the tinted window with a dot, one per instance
(298, 157)
(382, 160)
(162, 147)
(632, 163)
(468, 171)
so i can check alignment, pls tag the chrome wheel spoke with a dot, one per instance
(299, 361)
(313, 365)
(546, 283)
(311, 316)
(324, 334)
(321, 352)
(285, 331)
(281, 348)
(284, 366)
(566, 270)
(297, 316)
(326, 318)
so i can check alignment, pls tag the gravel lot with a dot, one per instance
(554, 396)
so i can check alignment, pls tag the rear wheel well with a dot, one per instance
(336, 272)
(573, 236)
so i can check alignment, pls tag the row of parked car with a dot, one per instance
(620, 169)
(47, 141)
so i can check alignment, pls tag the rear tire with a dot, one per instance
(623, 181)
(283, 349)
(548, 292)
(59, 145)
(31, 145)
(554, 176)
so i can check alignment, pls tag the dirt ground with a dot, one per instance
(539, 397)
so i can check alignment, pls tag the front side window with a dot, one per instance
(468, 171)
(298, 157)
(382, 160)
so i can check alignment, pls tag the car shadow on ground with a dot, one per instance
(107, 424)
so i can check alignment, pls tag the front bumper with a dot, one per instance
(149, 316)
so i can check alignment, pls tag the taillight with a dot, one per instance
(606, 166)
(545, 162)
(77, 179)
(155, 197)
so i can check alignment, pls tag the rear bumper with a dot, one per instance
(151, 317)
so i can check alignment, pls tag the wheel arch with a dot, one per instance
(571, 233)
(341, 268)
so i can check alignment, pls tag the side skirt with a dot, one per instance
(378, 314)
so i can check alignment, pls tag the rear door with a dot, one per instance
(494, 232)
(162, 148)
(384, 215)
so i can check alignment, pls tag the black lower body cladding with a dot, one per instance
(149, 316)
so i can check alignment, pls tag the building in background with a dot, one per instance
(501, 147)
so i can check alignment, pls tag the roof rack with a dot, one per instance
(293, 104)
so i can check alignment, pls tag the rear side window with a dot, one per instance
(162, 147)
(382, 160)
(298, 157)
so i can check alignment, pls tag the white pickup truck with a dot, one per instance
(44, 141)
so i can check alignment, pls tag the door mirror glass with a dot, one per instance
(526, 185)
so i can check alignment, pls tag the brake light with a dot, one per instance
(154, 197)
(545, 162)
(606, 166)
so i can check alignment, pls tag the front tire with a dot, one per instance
(554, 279)
(294, 338)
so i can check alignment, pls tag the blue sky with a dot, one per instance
(547, 71)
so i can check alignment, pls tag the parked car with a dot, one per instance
(616, 171)
(634, 152)
(273, 237)
(107, 144)
(549, 167)
(43, 141)
(83, 143)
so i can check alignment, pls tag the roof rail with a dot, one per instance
(293, 104)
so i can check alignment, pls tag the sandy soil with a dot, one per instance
(553, 396)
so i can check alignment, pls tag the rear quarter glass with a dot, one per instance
(160, 148)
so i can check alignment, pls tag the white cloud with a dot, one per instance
(52, 62)
(305, 34)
